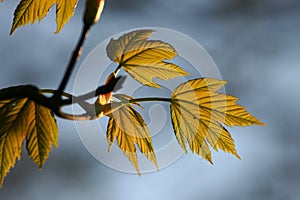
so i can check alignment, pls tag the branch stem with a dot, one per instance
(117, 69)
(149, 99)
(73, 60)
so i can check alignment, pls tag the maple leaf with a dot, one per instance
(198, 112)
(20, 119)
(29, 11)
(144, 59)
(128, 127)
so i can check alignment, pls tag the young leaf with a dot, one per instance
(29, 11)
(144, 59)
(20, 119)
(128, 127)
(64, 11)
(12, 133)
(105, 98)
(102, 104)
(198, 112)
(41, 134)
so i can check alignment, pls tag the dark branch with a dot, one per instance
(24, 91)
(75, 57)
(113, 85)
(55, 104)
(33, 93)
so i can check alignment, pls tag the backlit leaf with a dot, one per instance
(128, 127)
(20, 119)
(42, 133)
(12, 134)
(29, 11)
(64, 11)
(144, 59)
(198, 112)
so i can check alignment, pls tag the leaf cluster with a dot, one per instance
(23, 119)
(199, 112)
(30, 11)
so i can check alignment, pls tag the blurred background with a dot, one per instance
(255, 44)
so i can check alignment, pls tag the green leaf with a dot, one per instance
(20, 119)
(144, 59)
(198, 112)
(29, 11)
(128, 127)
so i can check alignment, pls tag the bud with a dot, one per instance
(93, 10)
(102, 104)
(105, 98)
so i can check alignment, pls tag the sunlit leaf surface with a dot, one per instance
(128, 127)
(144, 59)
(20, 119)
(29, 11)
(198, 112)
(42, 133)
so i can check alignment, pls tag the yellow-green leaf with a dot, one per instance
(29, 11)
(42, 133)
(64, 11)
(12, 133)
(20, 119)
(116, 49)
(186, 128)
(128, 127)
(198, 112)
(44, 8)
(144, 59)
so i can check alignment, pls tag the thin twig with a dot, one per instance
(148, 99)
(74, 58)
(112, 85)
(33, 93)
(82, 117)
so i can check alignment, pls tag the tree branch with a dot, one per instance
(74, 58)
(55, 104)
(113, 85)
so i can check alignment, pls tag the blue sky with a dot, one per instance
(255, 45)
